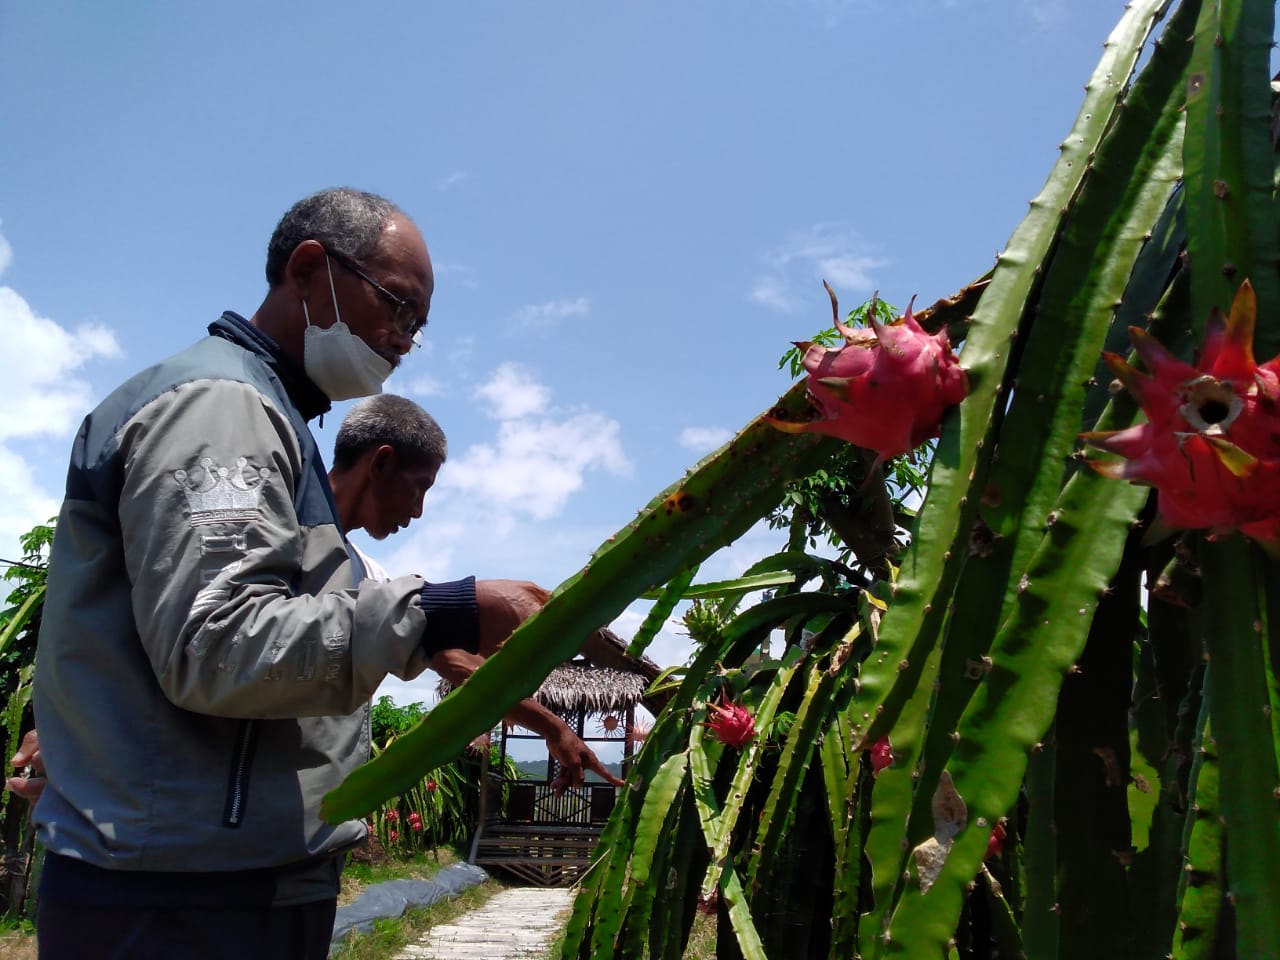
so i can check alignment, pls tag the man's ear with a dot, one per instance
(301, 268)
(382, 462)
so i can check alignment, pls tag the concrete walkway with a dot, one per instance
(513, 925)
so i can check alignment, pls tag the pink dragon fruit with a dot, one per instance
(995, 843)
(881, 755)
(886, 389)
(1211, 443)
(732, 723)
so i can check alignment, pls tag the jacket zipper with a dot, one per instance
(238, 781)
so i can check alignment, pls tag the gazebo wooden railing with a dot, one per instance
(535, 835)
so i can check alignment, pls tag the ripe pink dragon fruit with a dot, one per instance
(732, 723)
(415, 822)
(995, 844)
(1211, 443)
(886, 389)
(881, 755)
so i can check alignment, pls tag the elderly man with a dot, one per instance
(386, 457)
(209, 645)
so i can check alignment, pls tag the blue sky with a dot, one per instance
(630, 207)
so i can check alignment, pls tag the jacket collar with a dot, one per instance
(306, 396)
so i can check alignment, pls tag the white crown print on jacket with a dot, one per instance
(221, 495)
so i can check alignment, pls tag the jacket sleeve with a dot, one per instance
(244, 609)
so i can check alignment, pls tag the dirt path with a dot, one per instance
(512, 925)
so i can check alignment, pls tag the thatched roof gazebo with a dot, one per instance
(534, 834)
(573, 686)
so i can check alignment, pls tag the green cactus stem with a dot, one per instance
(1230, 166)
(661, 609)
(1041, 915)
(1239, 704)
(662, 801)
(1201, 892)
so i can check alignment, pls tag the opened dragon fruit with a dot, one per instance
(1211, 443)
(886, 389)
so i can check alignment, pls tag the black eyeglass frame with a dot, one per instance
(402, 308)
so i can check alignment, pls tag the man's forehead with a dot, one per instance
(402, 241)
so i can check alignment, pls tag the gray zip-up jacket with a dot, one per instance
(208, 648)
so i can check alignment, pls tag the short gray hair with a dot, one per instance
(387, 418)
(344, 220)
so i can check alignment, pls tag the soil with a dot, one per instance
(370, 853)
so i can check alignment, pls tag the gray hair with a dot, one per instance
(386, 418)
(346, 221)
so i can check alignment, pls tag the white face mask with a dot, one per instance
(339, 362)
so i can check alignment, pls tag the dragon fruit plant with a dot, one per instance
(1026, 678)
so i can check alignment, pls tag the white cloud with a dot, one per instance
(770, 292)
(1047, 13)
(44, 398)
(423, 386)
(704, 439)
(534, 465)
(513, 393)
(22, 503)
(826, 251)
(459, 274)
(452, 180)
(850, 272)
(37, 360)
(544, 315)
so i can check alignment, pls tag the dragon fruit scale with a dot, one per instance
(886, 389)
(1211, 443)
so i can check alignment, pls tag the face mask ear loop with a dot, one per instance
(337, 317)
(305, 315)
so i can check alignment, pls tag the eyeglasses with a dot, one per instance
(406, 315)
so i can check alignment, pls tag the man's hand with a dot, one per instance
(575, 758)
(501, 606)
(29, 786)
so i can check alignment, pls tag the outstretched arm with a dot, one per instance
(574, 756)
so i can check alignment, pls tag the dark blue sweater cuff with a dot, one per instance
(451, 616)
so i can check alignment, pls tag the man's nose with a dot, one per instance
(402, 342)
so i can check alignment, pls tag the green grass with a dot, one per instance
(421, 866)
(17, 940)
